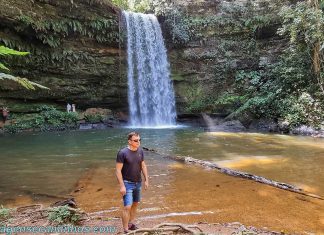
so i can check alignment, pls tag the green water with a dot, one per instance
(44, 164)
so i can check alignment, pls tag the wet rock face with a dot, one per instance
(230, 126)
(74, 50)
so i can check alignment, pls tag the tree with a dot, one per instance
(304, 22)
(4, 51)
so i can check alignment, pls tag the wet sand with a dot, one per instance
(190, 194)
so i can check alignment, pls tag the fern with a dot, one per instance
(2, 66)
(7, 51)
(22, 81)
(4, 51)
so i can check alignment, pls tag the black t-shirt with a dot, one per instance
(132, 161)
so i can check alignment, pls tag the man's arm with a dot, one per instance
(144, 170)
(119, 176)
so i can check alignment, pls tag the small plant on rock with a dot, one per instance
(4, 214)
(94, 118)
(64, 214)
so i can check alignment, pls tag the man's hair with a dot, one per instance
(131, 134)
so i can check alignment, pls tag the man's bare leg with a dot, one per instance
(133, 211)
(125, 217)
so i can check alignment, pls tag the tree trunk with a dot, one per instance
(316, 58)
(236, 173)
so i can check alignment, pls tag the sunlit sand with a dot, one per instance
(241, 162)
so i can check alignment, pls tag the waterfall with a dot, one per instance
(150, 90)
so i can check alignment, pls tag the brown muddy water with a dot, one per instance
(38, 168)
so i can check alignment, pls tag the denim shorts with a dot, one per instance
(133, 192)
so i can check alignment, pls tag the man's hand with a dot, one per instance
(146, 184)
(144, 171)
(119, 176)
(122, 190)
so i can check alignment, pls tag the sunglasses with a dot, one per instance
(136, 140)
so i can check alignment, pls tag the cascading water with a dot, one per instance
(150, 91)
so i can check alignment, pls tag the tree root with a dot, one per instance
(167, 228)
(25, 214)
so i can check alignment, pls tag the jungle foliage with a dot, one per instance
(47, 118)
(289, 89)
(53, 31)
(48, 38)
(292, 88)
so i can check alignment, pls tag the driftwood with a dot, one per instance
(167, 228)
(29, 208)
(260, 179)
(70, 202)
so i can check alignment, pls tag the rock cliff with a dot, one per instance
(74, 50)
(77, 50)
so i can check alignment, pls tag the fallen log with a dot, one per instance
(236, 173)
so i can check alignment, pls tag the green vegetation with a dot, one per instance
(289, 88)
(4, 214)
(123, 4)
(48, 118)
(304, 23)
(292, 88)
(184, 28)
(49, 37)
(5, 51)
(94, 118)
(283, 90)
(64, 58)
(52, 32)
(196, 99)
(227, 103)
(64, 214)
(133, 5)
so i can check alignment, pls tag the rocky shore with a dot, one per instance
(36, 217)
(220, 123)
(105, 119)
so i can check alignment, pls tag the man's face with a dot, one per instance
(135, 141)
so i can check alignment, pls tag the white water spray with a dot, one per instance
(150, 91)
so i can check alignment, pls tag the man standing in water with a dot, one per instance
(129, 166)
